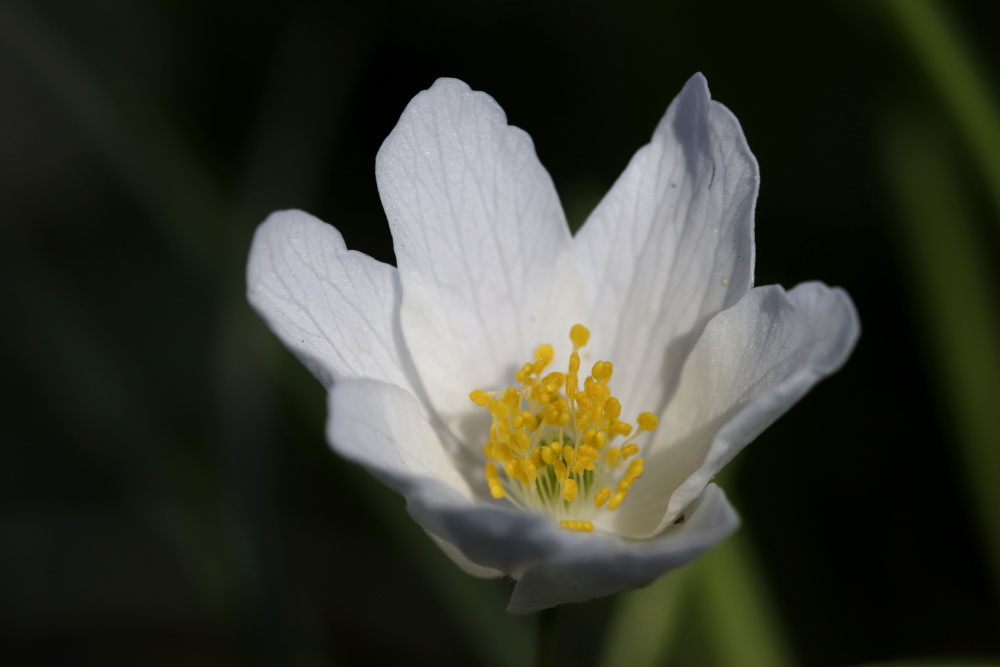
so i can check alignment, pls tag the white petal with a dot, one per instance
(753, 362)
(670, 246)
(609, 567)
(381, 427)
(482, 245)
(337, 310)
(459, 559)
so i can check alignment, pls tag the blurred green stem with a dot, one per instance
(958, 80)
(548, 638)
(953, 290)
(726, 590)
(645, 623)
(737, 611)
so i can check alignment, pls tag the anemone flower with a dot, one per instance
(552, 406)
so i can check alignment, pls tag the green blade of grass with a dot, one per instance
(958, 80)
(953, 292)
(646, 622)
(738, 614)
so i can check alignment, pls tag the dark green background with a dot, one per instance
(166, 494)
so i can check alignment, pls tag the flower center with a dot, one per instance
(555, 442)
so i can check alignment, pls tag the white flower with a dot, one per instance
(662, 276)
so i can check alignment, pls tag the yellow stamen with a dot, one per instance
(647, 421)
(548, 434)
(577, 526)
(493, 480)
(616, 500)
(602, 371)
(613, 455)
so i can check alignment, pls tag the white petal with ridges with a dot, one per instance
(336, 309)
(481, 242)
(753, 362)
(382, 427)
(670, 246)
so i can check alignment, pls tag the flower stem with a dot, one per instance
(548, 633)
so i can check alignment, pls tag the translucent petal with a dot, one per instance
(602, 567)
(753, 362)
(335, 309)
(482, 245)
(670, 246)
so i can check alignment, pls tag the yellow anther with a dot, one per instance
(555, 379)
(549, 419)
(616, 500)
(596, 392)
(545, 353)
(543, 357)
(612, 408)
(520, 441)
(536, 457)
(577, 526)
(602, 371)
(512, 398)
(501, 452)
(527, 472)
(619, 428)
(480, 397)
(497, 409)
(572, 383)
(647, 421)
(569, 455)
(546, 454)
(493, 480)
(551, 414)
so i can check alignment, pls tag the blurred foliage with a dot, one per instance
(168, 497)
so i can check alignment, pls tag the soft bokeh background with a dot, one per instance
(167, 496)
